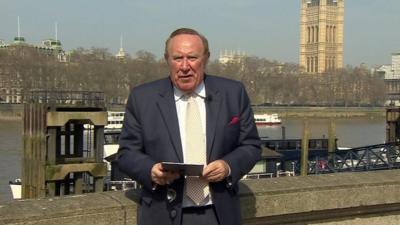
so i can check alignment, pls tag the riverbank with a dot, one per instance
(15, 111)
(323, 112)
(314, 112)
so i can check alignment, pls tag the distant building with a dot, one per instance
(2, 44)
(121, 55)
(391, 75)
(396, 64)
(10, 85)
(391, 71)
(321, 35)
(231, 56)
(385, 71)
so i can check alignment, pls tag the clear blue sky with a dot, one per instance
(264, 28)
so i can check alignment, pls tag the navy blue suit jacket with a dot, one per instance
(150, 135)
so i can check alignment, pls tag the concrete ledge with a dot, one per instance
(343, 198)
(61, 118)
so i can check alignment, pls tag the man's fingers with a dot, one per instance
(215, 171)
(161, 177)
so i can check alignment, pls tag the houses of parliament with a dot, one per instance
(321, 35)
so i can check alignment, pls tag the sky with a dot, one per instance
(263, 28)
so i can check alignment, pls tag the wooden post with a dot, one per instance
(331, 141)
(304, 150)
(34, 154)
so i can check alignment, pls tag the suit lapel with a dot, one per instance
(166, 104)
(212, 113)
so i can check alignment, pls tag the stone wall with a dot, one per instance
(342, 198)
(11, 111)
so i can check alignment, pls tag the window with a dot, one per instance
(334, 34)
(312, 64)
(326, 33)
(311, 3)
(312, 36)
(331, 2)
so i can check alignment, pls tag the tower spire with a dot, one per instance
(121, 53)
(56, 29)
(19, 29)
(18, 39)
(120, 42)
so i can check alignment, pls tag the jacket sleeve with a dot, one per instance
(248, 151)
(132, 159)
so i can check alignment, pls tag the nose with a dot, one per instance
(185, 65)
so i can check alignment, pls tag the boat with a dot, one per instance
(115, 120)
(267, 119)
(16, 188)
(110, 144)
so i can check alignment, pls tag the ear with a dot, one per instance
(166, 58)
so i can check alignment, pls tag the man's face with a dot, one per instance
(186, 61)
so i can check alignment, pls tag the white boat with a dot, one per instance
(16, 188)
(267, 119)
(115, 120)
(110, 144)
(111, 134)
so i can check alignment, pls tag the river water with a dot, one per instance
(351, 132)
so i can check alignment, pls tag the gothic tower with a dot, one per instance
(321, 35)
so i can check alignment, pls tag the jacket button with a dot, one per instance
(173, 213)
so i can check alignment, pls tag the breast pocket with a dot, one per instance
(231, 134)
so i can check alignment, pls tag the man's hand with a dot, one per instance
(216, 171)
(162, 177)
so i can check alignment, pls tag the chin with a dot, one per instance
(187, 88)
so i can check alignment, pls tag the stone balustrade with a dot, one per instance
(341, 198)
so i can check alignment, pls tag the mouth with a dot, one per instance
(185, 76)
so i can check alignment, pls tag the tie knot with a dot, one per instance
(190, 97)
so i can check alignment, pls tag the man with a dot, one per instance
(189, 117)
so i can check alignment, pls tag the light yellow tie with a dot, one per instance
(196, 189)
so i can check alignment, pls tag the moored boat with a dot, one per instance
(16, 188)
(267, 119)
(115, 120)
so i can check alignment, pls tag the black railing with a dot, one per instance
(374, 157)
(76, 98)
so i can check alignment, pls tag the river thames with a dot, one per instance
(351, 132)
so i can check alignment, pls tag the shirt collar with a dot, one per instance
(199, 91)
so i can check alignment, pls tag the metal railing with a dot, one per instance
(77, 98)
(373, 157)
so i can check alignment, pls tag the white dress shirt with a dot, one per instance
(181, 103)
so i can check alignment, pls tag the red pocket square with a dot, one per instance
(234, 120)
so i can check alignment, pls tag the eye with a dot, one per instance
(192, 58)
(177, 58)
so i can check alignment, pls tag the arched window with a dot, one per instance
(312, 34)
(334, 34)
(317, 34)
(316, 64)
(312, 64)
(327, 63)
(308, 64)
(326, 33)
(329, 34)
(308, 34)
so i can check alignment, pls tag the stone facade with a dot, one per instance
(321, 35)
